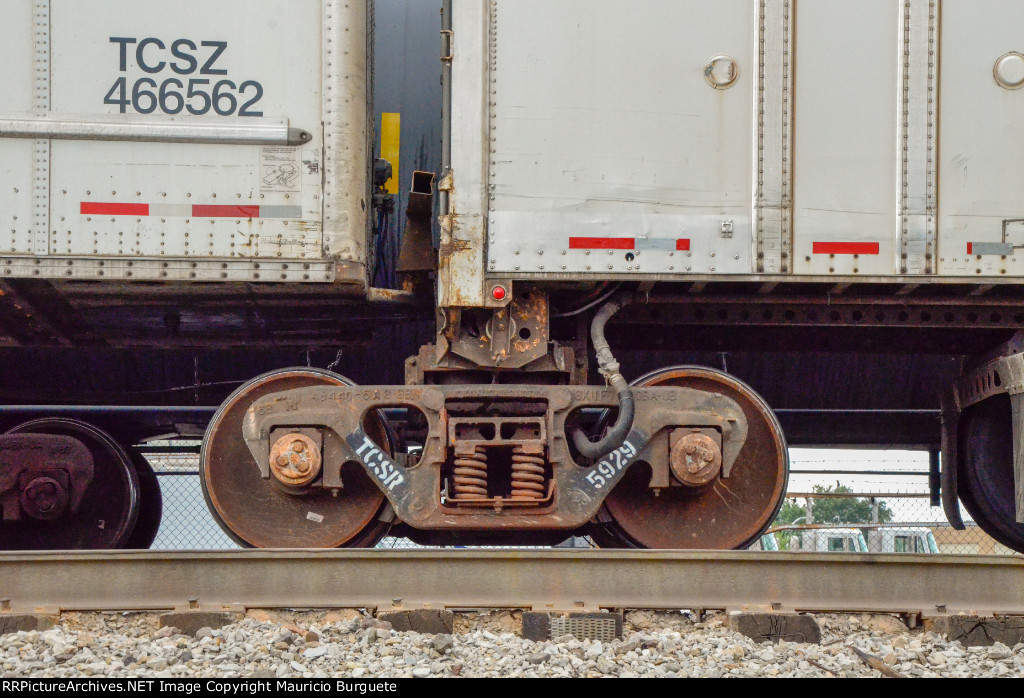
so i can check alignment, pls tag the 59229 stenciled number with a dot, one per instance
(173, 89)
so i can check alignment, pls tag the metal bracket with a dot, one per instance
(501, 331)
(249, 131)
(447, 40)
(948, 488)
(1002, 374)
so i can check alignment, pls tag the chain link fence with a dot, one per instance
(869, 501)
(839, 501)
(186, 523)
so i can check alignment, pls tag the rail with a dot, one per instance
(539, 580)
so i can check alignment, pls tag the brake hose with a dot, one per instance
(608, 367)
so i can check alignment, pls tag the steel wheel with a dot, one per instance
(109, 509)
(985, 470)
(727, 514)
(258, 513)
(151, 505)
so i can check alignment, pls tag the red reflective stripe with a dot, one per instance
(846, 248)
(602, 243)
(93, 208)
(226, 211)
(682, 245)
(970, 248)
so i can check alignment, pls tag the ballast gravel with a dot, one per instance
(321, 645)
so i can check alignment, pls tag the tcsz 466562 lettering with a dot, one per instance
(194, 95)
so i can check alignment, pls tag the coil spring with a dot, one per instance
(470, 481)
(528, 481)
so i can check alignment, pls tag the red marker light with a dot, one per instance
(499, 293)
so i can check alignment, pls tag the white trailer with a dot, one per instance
(184, 141)
(195, 138)
(914, 539)
(830, 540)
(781, 154)
(684, 139)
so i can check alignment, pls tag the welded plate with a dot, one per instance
(591, 626)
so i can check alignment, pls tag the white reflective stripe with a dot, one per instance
(171, 210)
(657, 244)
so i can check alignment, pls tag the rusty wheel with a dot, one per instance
(258, 512)
(151, 505)
(109, 508)
(722, 515)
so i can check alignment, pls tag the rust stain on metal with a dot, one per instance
(459, 253)
(506, 337)
(247, 499)
(530, 317)
(450, 219)
(696, 459)
(390, 295)
(447, 249)
(42, 475)
(295, 460)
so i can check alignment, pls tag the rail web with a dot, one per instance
(493, 579)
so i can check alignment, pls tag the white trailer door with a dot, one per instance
(846, 142)
(981, 167)
(619, 135)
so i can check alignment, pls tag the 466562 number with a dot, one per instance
(172, 96)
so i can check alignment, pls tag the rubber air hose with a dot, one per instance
(608, 367)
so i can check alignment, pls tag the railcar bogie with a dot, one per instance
(687, 458)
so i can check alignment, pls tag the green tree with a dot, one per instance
(829, 510)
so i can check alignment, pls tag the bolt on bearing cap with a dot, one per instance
(44, 498)
(696, 460)
(295, 460)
